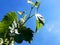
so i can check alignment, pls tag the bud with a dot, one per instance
(21, 13)
(22, 20)
(40, 18)
(16, 31)
(30, 2)
(13, 29)
(1, 41)
(15, 24)
(12, 43)
(37, 4)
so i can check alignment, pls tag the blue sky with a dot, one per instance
(50, 10)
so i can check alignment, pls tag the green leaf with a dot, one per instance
(10, 17)
(2, 27)
(38, 25)
(18, 38)
(27, 34)
(6, 22)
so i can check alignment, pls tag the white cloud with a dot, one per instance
(50, 27)
(53, 26)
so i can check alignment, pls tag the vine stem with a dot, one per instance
(29, 15)
(31, 11)
(28, 19)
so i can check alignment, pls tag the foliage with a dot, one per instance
(12, 30)
(7, 20)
